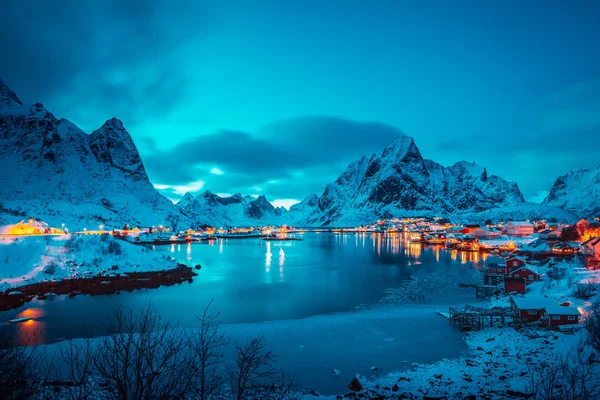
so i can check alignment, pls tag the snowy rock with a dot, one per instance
(355, 385)
(336, 372)
(577, 192)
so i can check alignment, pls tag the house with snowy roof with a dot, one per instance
(536, 309)
(528, 309)
(514, 262)
(558, 315)
(527, 272)
(519, 228)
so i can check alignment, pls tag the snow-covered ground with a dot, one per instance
(33, 259)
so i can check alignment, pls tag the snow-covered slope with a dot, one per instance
(538, 197)
(401, 182)
(52, 170)
(299, 212)
(578, 192)
(233, 211)
(35, 259)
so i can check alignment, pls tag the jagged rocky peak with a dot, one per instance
(235, 199)
(401, 181)
(8, 98)
(112, 144)
(403, 149)
(484, 176)
(211, 198)
(262, 202)
(186, 200)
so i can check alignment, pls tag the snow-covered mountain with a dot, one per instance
(52, 170)
(400, 182)
(210, 209)
(578, 192)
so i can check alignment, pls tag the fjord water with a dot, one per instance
(307, 298)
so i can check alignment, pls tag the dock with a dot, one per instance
(482, 290)
(472, 318)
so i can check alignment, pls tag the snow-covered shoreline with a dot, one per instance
(501, 358)
(39, 266)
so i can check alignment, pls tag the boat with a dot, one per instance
(20, 320)
(436, 238)
(415, 238)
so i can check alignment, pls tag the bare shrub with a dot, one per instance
(555, 273)
(143, 358)
(592, 324)
(113, 247)
(206, 345)
(253, 372)
(16, 369)
(584, 290)
(74, 381)
(569, 377)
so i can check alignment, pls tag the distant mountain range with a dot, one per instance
(210, 209)
(52, 170)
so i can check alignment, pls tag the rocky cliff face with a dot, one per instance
(401, 182)
(577, 192)
(52, 170)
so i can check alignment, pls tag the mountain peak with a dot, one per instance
(112, 144)
(399, 146)
(8, 98)
(187, 199)
(113, 123)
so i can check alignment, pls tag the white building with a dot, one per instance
(519, 228)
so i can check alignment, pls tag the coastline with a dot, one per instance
(97, 285)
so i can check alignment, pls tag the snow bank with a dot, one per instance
(34, 259)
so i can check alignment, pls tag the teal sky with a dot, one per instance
(270, 97)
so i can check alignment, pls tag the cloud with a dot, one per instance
(180, 190)
(549, 137)
(123, 52)
(285, 203)
(285, 160)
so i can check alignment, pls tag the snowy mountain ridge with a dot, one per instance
(210, 209)
(578, 191)
(400, 182)
(52, 170)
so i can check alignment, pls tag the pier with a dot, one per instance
(472, 318)
(482, 290)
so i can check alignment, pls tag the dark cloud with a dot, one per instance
(115, 49)
(287, 159)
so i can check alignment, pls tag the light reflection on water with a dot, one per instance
(325, 273)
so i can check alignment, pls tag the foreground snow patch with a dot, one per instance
(34, 259)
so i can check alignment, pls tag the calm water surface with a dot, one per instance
(272, 288)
